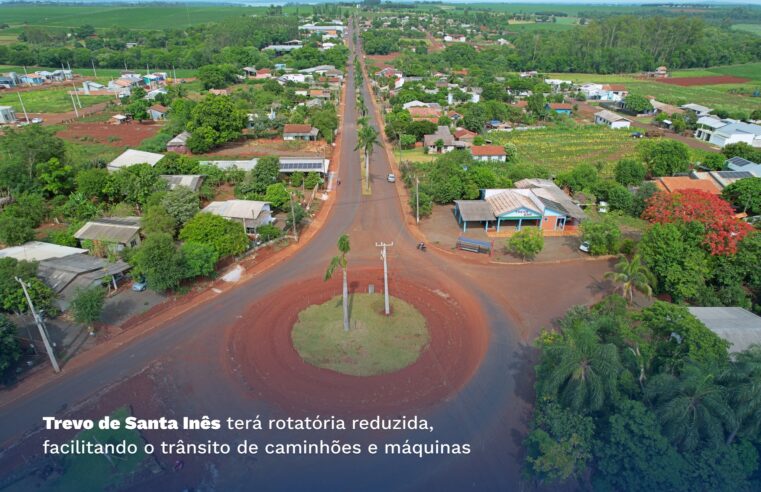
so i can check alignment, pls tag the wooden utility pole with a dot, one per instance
(40, 326)
(293, 219)
(384, 257)
(23, 108)
(417, 200)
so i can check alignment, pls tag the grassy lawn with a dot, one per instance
(55, 100)
(94, 472)
(415, 155)
(561, 148)
(375, 344)
(89, 152)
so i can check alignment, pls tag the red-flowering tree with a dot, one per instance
(722, 230)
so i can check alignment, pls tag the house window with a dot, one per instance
(560, 224)
(133, 243)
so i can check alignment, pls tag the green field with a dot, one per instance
(141, 17)
(48, 100)
(751, 28)
(561, 148)
(375, 343)
(732, 97)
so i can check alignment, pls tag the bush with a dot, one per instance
(526, 243)
(268, 232)
(226, 237)
(199, 259)
(603, 236)
(426, 203)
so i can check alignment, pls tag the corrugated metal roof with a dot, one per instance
(237, 209)
(111, 229)
(192, 181)
(131, 157)
(738, 326)
(474, 210)
(510, 200)
(38, 251)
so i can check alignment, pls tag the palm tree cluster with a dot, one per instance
(708, 404)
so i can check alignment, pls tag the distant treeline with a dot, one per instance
(633, 43)
(232, 41)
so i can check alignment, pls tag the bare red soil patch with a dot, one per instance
(262, 354)
(117, 135)
(693, 81)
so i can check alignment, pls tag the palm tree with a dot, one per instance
(744, 382)
(632, 275)
(367, 138)
(693, 407)
(340, 260)
(582, 372)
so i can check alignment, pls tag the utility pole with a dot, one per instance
(417, 200)
(293, 219)
(75, 105)
(384, 257)
(94, 73)
(41, 327)
(23, 108)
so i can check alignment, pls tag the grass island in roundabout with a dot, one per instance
(375, 343)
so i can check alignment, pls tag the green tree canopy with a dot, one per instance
(226, 237)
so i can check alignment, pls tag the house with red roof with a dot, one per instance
(488, 153)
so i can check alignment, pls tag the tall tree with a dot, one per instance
(340, 261)
(632, 275)
(578, 369)
(367, 139)
(693, 408)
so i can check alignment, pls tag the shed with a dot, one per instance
(738, 326)
(192, 181)
(250, 213)
(69, 274)
(121, 232)
(179, 143)
(299, 132)
(38, 251)
(131, 157)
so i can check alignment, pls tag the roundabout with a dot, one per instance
(375, 344)
(265, 361)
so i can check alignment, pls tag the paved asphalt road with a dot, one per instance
(489, 412)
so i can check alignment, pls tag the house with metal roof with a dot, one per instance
(192, 181)
(442, 141)
(535, 203)
(740, 164)
(736, 325)
(299, 132)
(111, 233)
(250, 213)
(611, 119)
(179, 143)
(131, 157)
(71, 273)
(288, 164)
(38, 251)
(697, 109)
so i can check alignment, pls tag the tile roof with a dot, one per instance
(487, 150)
(296, 128)
(671, 184)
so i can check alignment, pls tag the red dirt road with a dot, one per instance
(693, 81)
(264, 356)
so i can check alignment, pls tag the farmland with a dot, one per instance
(103, 74)
(561, 148)
(140, 18)
(48, 100)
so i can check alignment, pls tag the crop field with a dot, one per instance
(48, 100)
(746, 70)
(700, 81)
(561, 148)
(142, 17)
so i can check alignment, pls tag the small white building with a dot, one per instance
(250, 213)
(131, 157)
(697, 109)
(7, 115)
(611, 119)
